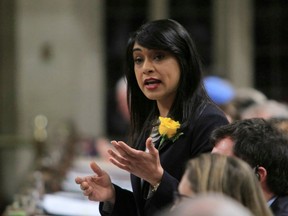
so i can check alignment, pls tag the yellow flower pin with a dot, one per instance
(168, 129)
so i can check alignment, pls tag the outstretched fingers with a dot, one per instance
(119, 161)
(124, 150)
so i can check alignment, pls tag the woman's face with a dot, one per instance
(157, 73)
(184, 187)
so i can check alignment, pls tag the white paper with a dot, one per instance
(59, 204)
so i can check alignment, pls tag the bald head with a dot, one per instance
(209, 205)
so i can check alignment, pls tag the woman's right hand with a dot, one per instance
(97, 187)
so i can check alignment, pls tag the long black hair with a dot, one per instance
(170, 36)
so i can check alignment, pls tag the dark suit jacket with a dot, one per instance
(173, 156)
(280, 206)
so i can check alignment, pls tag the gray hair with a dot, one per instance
(268, 109)
(211, 204)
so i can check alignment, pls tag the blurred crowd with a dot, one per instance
(243, 103)
(253, 183)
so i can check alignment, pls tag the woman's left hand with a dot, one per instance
(145, 165)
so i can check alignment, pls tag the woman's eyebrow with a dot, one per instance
(137, 49)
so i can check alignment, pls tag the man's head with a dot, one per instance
(209, 204)
(262, 146)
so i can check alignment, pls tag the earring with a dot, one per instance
(258, 176)
(256, 172)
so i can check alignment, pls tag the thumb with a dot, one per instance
(96, 169)
(150, 146)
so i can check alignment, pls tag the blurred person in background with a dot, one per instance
(246, 97)
(209, 204)
(118, 115)
(118, 125)
(265, 149)
(223, 174)
(267, 109)
(222, 92)
(280, 123)
(118, 121)
(171, 119)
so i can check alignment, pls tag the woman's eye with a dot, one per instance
(159, 57)
(138, 60)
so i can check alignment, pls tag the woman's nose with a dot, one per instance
(148, 66)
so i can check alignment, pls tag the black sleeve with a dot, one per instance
(124, 205)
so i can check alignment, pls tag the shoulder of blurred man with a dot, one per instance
(280, 206)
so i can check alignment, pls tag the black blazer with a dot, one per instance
(173, 157)
(280, 206)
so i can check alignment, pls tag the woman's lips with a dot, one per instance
(151, 83)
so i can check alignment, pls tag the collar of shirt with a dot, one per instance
(271, 200)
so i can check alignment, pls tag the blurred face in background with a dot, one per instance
(224, 146)
(121, 97)
(184, 187)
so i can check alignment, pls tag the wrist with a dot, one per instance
(113, 196)
(155, 184)
(157, 179)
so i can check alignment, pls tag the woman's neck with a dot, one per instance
(164, 105)
(163, 109)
